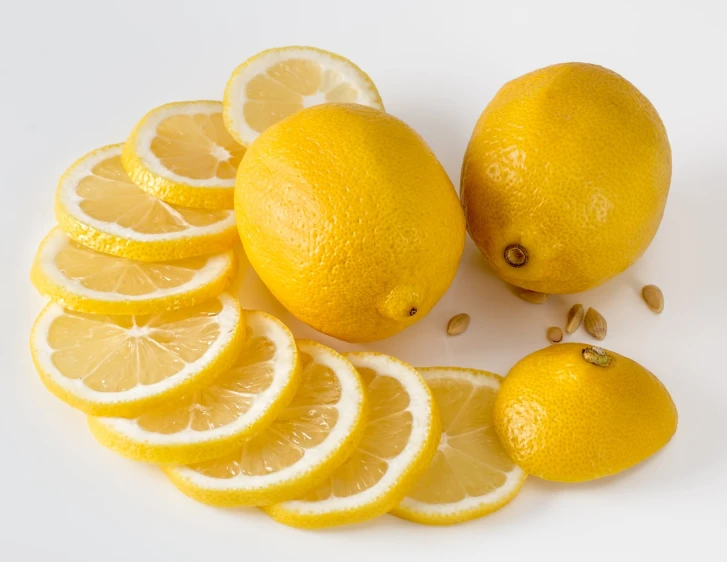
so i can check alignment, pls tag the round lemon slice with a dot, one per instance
(212, 420)
(182, 153)
(121, 365)
(471, 475)
(398, 444)
(304, 445)
(278, 82)
(99, 206)
(84, 280)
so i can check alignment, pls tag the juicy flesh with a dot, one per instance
(110, 274)
(197, 146)
(289, 86)
(223, 402)
(386, 435)
(470, 461)
(118, 353)
(304, 424)
(108, 194)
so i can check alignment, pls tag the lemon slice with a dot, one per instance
(399, 442)
(208, 422)
(303, 446)
(82, 279)
(182, 153)
(121, 365)
(100, 207)
(278, 82)
(471, 475)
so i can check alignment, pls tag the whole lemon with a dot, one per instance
(572, 412)
(349, 219)
(565, 178)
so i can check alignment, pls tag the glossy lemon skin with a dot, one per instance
(572, 163)
(562, 418)
(349, 219)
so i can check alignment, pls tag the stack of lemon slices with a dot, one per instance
(141, 335)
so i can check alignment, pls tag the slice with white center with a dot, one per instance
(99, 206)
(399, 442)
(121, 365)
(278, 82)
(182, 153)
(471, 475)
(309, 439)
(213, 420)
(84, 280)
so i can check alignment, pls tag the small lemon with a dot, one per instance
(565, 179)
(349, 219)
(573, 412)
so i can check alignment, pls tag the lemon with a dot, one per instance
(307, 441)
(565, 179)
(398, 444)
(82, 279)
(350, 220)
(471, 475)
(573, 412)
(182, 153)
(109, 365)
(215, 419)
(278, 82)
(100, 207)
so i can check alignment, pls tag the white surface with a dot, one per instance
(79, 74)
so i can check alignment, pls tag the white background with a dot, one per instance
(78, 74)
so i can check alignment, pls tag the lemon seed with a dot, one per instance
(654, 298)
(595, 324)
(531, 296)
(575, 317)
(555, 334)
(458, 324)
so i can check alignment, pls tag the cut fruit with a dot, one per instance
(302, 447)
(209, 422)
(471, 475)
(99, 206)
(398, 444)
(278, 82)
(84, 280)
(182, 153)
(121, 365)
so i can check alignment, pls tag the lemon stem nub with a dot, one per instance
(597, 356)
(412, 312)
(516, 255)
